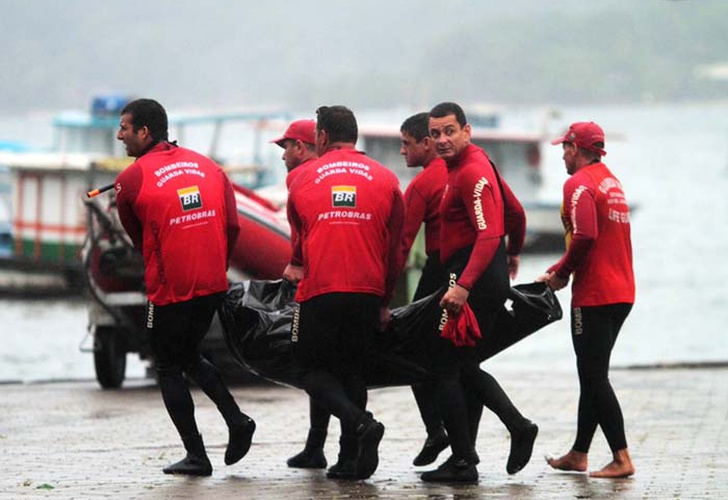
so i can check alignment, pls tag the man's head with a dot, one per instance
(142, 123)
(417, 146)
(449, 129)
(298, 143)
(583, 143)
(335, 124)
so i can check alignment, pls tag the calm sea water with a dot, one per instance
(673, 163)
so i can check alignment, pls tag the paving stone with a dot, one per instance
(71, 440)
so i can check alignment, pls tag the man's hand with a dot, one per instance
(293, 273)
(454, 299)
(553, 281)
(384, 316)
(513, 262)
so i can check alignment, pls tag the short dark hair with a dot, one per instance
(449, 108)
(339, 123)
(149, 113)
(590, 154)
(417, 126)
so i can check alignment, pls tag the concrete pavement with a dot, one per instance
(71, 440)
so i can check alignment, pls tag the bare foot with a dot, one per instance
(572, 461)
(621, 466)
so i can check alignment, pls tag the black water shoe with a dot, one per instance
(370, 433)
(195, 463)
(312, 456)
(191, 465)
(521, 447)
(433, 446)
(343, 469)
(309, 458)
(452, 471)
(240, 437)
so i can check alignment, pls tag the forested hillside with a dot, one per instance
(377, 53)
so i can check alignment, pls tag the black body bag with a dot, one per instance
(257, 317)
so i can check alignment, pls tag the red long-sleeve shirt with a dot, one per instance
(595, 215)
(348, 212)
(178, 208)
(289, 180)
(473, 212)
(422, 200)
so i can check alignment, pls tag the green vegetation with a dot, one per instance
(637, 50)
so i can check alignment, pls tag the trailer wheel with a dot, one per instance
(109, 358)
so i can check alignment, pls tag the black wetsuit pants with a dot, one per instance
(432, 278)
(174, 332)
(594, 331)
(334, 336)
(456, 370)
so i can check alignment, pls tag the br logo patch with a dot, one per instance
(190, 198)
(343, 196)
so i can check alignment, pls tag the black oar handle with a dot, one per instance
(98, 191)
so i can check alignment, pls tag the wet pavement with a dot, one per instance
(70, 440)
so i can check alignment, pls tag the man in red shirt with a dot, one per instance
(298, 145)
(473, 249)
(299, 149)
(595, 215)
(422, 203)
(178, 208)
(348, 212)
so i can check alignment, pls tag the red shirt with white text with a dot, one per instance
(178, 208)
(348, 211)
(472, 214)
(595, 215)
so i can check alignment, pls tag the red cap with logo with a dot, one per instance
(585, 135)
(300, 130)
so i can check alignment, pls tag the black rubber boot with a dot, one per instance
(195, 463)
(345, 468)
(312, 456)
(240, 437)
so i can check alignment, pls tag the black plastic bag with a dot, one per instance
(401, 352)
(534, 305)
(257, 317)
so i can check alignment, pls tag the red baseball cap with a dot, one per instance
(300, 130)
(585, 135)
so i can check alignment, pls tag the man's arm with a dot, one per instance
(515, 228)
(515, 220)
(231, 216)
(395, 226)
(483, 218)
(295, 222)
(127, 187)
(582, 212)
(486, 242)
(415, 210)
